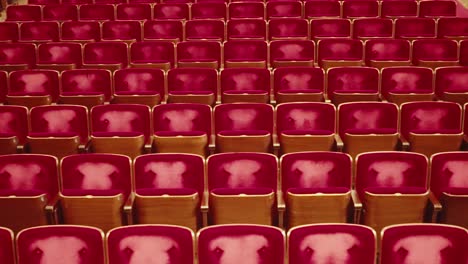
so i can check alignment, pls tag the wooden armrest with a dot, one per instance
(128, 209)
(204, 208)
(339, 145)
(357, 206)
(281, 208)
(148, 148)
(404, 143)
(434, 208)
(51, 209)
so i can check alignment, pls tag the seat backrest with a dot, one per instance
(245, 79)
(106, 53)
(288, 27)
(277, 9)
(28, 175)
(87, 81)
(391, 172)
(292, 50)
(430, 118)
(18, 53)
(169, 173)
(399, 8)
(101, 12)
(34, 82)
(404, 80)
(204, 29)
(339, 49)
(121, 119)
(7, 253)
(245, 50)
(330, 27)
(451, 79)
(373, 27)
(452, 27)
(192, 80)
(182, 119)
(312, 172)
(435, 49)
(59, 53)
(360, 8)
(367, 118)
(139, 81)
(241, 243)
(150, 244)
(243, 117)
(81, 30)
(242, 171)
(437, 8)
(322, 8)
(448, 173)
(39, 31)
(306, 117)
(163, 29)
(14, 122)
(387, 49)
(246, 10)
(23, 13)
(152, 52)
(95, 174)
(9, 32)
(300, 79)
(134, 11)
(171, 11)
(209, 10)
(246, 28)
(423, 243)
(415, 27)
(122, 30)
(71, 244)
(338, 243)
(199, 51)
(60, 12)
(352, 80)
(61, 121)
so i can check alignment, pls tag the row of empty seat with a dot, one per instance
(109, 190)
(130, 129)
(234, 243)
(217, 30)
(332, 52)
(235, 10)
(202, 85)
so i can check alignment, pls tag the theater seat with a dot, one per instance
(368, 126)
(87, 87)
(134, 11)
(330, 28)
(68, 243)
(435, 53)
(352, 84)
(288, 28)
(380, 53)
(423, 243)
(452, 28)
(81, 31)
(59, 56)
(22, 13)
(316, 188)
(182, 128)
(245, 53)
(152, 54)
(245, 85)
(205, 29)
(58, 130)
(17, 56)
(298, 84)
(287, 53)
(209, 10)
(339, 52)
(13, 129)
(237, 10)
(150, 243)
(121, 128)
(37, 32)
(253, 29)
(169, 189)
(139, 86)
(33, 87)
(96, 190)
(415, 28)
(28, 190)
(199, 54)
(393, 188)
(431, 127)
(306, 126)
(105, 55)
(449, 84)
(242, 188)
(192, 85)
(244, 127)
